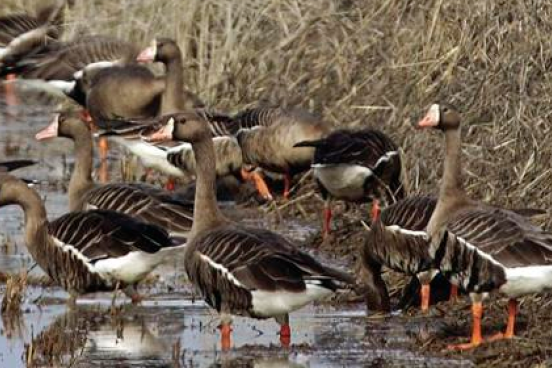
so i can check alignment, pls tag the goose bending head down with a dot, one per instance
(241, 270)
(480, 247)
(88, 251)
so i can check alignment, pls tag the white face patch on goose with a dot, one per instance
(434, 114)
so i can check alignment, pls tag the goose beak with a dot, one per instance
(163, 134)
(148, 54)
(431, 120)
(50, 131)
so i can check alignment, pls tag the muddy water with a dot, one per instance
(170, 328)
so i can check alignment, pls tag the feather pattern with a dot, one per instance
(229, 263)
(353, 165)
(143, 202)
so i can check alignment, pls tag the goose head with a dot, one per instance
(161, 49)
(64, 124)
(440, 116)
(186, 126)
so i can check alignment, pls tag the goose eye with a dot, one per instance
(445, 109)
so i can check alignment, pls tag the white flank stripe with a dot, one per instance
(225, 272)
(71, 249)
(417, 233)
(386, 157)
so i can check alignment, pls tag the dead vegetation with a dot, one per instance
(380, 64)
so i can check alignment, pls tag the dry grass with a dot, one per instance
(14, 294)
(372, 63)
(368, 63)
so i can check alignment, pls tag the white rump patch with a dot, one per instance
(225, 272)
(527, 280)
(343, 181)
(62, 85)
(275, 303)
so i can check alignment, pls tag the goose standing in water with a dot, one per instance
(478, 247)
(241, 270)
(140, 201)
(91, 251)
(356, 166)
(268, 135)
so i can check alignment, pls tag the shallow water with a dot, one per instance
(170, 329)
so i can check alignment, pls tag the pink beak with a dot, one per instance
(427, 122)
(147, 55)
(50, 131)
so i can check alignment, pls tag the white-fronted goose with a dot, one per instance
(356, 165)
(143, 202)
(476, 246)
(241, 270)
(90, 251)
(228, 154)
(268, 136)
(26, 34)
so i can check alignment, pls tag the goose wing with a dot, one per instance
(146, 203)
(256, 259)
(63, 63)
(14, 25)
(506, 236)
(410, 213)
(101, 234)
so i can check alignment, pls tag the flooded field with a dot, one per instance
(171, 328)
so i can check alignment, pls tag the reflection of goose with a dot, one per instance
(241, 362)
(91, 333)
(131, 339)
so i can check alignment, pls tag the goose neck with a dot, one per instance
(451, 184)
(81, 178)
(206, 211)
(171, 100)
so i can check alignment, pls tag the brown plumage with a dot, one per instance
(356, 165)
(491, 248)
(240, 270)
(87, 251)
(141, 201)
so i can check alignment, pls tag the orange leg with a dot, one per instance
(510, 328)
(376, 210)
(476, 339)
(104, 169)
(453, 293)
(260, 184)
(170, 185)
(285, 335)
(225, 336)
(425, 293)
(287, 185)
(11, 98)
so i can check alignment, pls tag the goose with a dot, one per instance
(356, 165)
(480, 247)
(267, 137)
(143, 202)
(177, 159)
(91, 251)
(24, 34)
(241, 270)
